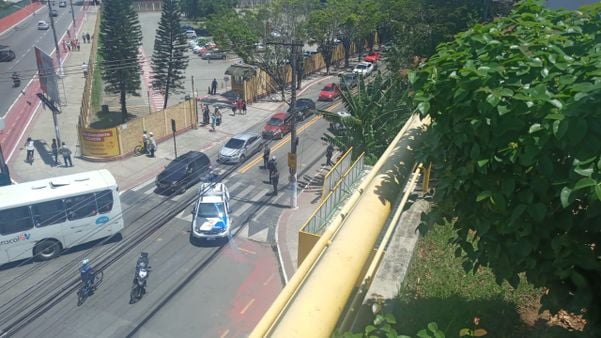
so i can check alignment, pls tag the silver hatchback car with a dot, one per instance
(240, 147)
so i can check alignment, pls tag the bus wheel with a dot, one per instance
(47, 249)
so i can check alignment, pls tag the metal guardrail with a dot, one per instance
(334, 175)
(339, 191)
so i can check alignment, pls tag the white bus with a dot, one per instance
(41, 218)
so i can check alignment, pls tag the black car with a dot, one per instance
(348, 81)
(7, 55)
(54, 12)
(303, 108)
(184, 171)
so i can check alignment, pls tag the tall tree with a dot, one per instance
(120, 37)
(169, 59)
(514, 140)
(280, 21)
(322, 27)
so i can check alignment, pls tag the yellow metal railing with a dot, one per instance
(313, 301)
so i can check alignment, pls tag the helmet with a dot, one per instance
(273, 158)
(85, 262)
(151, 134)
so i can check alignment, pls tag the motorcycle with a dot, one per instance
(86, 290)
(16, 80)
(138, 288)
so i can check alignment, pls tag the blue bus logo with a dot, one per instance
(102, 220)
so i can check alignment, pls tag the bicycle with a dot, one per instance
(140, 149)
(83, 293)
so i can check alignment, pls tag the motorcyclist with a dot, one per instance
(87, 274)
(142, 263)
(16, 79)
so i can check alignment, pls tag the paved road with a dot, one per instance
(217, 291)
(22, 42)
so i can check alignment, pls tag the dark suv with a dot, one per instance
(184, 171)
(302, 109)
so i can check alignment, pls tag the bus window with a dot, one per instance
(81, 206)
(15, 220)
(104, 199)
(48, 213)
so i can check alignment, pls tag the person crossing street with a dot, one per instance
(266, 152)
(272, 166)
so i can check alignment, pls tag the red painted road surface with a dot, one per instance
(19, 116)
(255, 293)
(9, 21)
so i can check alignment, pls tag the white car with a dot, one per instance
(190, 34)
(210, 216)
(364, 68)
(241, 147)
(43, 25)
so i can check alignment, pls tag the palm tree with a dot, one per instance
(377, 112)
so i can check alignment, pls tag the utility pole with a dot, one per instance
(72, 15)
(293, 138)
(194, 102)
(58, 50)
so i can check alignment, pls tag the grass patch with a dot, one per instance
(438, 290)
(97, 86)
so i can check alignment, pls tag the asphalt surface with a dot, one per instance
(221, 290)
(22, 41)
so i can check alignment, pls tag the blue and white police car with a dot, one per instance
(210, 215)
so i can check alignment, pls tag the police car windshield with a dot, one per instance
(209, 210)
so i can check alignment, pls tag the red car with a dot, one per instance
(278, 125)
(372, 57)
(329, 92)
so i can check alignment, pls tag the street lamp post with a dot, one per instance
(72, 15)
(292, 160)
(58, 51)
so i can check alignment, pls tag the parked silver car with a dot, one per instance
(240, 147)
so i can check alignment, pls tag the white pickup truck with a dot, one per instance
(210, 215)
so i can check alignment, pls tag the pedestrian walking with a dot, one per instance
(206, 115)
(152, 144)
(83, 37)
(65, 46)
(77, 45)
(88, 37)
(68, 42)
(84, 68)
(329, 153)
(272, 166)
(54, 147)
(30, 149)
(266, 152)
(244, 107)
(213, 121)
(218, 116)
(66, 152)
(145, 141)
(214, 87)
(275, 179)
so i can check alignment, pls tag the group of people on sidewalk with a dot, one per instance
(55, 149)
